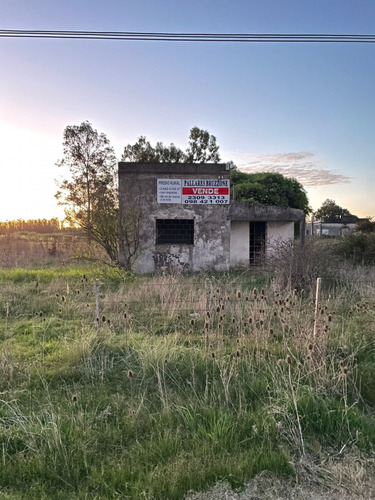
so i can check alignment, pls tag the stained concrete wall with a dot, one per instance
(138, 188)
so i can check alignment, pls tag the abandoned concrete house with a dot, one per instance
(187, 220)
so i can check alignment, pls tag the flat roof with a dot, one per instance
(243, 210)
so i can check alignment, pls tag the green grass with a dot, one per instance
(45, 276)
(158, 397)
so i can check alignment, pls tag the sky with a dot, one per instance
(304, 110)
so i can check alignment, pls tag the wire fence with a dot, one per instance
(171, 302)
(170, 305)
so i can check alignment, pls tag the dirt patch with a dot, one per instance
(350, 478)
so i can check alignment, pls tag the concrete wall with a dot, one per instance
(239, 243)
(278, 233)
(138, 188)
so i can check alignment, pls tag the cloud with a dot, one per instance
(302, 165)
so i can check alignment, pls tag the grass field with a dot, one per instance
(149, 387)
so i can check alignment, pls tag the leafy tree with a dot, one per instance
(269, 189)
(142, 151)
(331, 212)
(91, 162)
(90, 194)
(202, 148)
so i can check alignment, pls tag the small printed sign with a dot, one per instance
(169, 190)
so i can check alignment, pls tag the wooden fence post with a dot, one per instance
(317, 300)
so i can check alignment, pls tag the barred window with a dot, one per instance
(175, 231)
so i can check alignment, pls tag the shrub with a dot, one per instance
(358, 248)
(297, 266)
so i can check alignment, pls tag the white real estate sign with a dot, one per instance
(194, 191)
(169, 190)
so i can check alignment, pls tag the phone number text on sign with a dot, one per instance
(205, 191)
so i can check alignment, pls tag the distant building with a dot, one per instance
(189, 222)
(325, 227)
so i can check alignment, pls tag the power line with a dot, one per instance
(190, 37)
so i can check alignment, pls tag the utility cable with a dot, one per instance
(191, 37)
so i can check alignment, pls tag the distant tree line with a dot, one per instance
(32, 225)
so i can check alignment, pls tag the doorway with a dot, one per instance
(257, 243)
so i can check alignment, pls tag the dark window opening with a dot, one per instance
(257, 243)
(175, 231)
